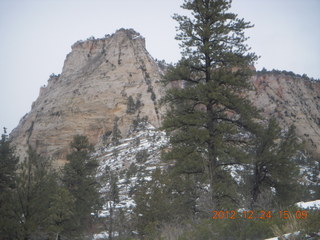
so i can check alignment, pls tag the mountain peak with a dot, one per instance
(121, 34)
(106, 83)
(130, 33)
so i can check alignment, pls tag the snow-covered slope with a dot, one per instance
(309, 205)
(133, 160)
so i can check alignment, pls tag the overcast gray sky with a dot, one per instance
(36, 36)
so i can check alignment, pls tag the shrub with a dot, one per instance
(142, 156)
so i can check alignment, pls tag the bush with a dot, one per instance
(131, 106)
(132, 171)
(230, 229)
(142, 156)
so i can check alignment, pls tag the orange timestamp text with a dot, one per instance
(249, 214)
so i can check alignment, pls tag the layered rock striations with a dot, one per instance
(291, 99)
(106, 86)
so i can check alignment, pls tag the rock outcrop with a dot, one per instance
(291, 99)
(109, 85)
(106, 86)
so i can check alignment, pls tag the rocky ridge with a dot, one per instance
(291, 99)
(109, 85)
(105, 86)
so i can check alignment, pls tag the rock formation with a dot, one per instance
(291, 99)
(106, 86)
(109, 85)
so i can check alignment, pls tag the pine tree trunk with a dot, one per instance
(256, 188)
(111, 221)
(212, 158)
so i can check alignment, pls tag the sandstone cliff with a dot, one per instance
(106, 85)
(291, 99)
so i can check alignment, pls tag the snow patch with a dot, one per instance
(119, 159)
(309, 205)
(286, 236)
(104, 235)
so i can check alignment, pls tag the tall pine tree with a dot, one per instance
(60, 215)
(8, 166)
(79, 179)
(8, 163)
(210, 111)
(34, 184)
(275, 170)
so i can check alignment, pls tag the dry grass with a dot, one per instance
(292, 225)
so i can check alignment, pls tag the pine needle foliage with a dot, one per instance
(8, 166)
(275, 166)
(79, 179)
(209, 112)
(35, 182)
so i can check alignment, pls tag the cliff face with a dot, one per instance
(109, 85)
(105, 85)
(292, 100)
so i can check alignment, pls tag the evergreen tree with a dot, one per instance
(210, 111)
(131, 106)
(79, 178)
(35, 183)
(274, 166)
(167, 198)
(8, 166)
(60, 213)
(32, 204)
(116, 133)
(116, 221)
(112, 199)
(315, 179)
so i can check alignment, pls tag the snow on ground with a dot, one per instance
(118, 158)
(309, 205)
(304, 205)
(121, 156)
(104, 235)
(235, 171)
(287, 236)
